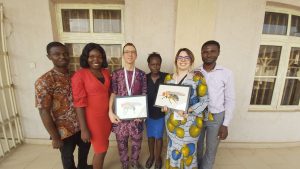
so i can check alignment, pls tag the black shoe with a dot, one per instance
(89, 167)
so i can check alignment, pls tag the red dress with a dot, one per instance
(93, 95)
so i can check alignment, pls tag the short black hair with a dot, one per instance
(85, 55)
(53, 44)
(154, 55)
(211, 42)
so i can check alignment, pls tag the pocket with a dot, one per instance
(219, 117)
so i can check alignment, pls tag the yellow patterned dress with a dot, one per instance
(183, 134)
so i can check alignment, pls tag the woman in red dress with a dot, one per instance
(91, 93)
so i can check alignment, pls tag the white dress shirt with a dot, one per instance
(221, 94)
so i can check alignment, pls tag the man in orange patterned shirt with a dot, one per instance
(53, 97)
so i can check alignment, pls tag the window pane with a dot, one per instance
(275, 23)
(291, 93)
(268, 60)
(262, 91)
(113, 54)
(74, 64)
(75, 50)
(75, 20)
(295, 26)
(107, 21)
(294, 63)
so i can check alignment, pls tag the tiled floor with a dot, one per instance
(29, 156)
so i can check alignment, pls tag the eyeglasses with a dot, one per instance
(132, 52)
(183, 58)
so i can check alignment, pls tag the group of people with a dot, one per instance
(78, 110)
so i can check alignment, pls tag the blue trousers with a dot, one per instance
(206, 155)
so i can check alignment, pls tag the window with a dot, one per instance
(275, 23)
(277, 76)
(79, 24)
(295, 26)
(266, 72)
(291, 90)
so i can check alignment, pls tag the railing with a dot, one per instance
(10, 128)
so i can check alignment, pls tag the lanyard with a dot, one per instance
(181, 79)
(129, 89)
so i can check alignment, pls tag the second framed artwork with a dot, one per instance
(173, 96)
(131, 107)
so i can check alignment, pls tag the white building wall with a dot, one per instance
(161, 26)
(237, 25)
(238, 28)
(195, 24)
(150, 25)
(29, 30)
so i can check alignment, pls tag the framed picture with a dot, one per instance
(173, 96)
(131, 107)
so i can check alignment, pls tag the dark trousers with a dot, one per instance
(68, 149)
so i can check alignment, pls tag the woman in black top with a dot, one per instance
(155, 121)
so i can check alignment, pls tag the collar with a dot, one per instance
(160, 75)
(59, 73)
(217, 67)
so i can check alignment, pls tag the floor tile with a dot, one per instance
(29, 156)
(229, 166)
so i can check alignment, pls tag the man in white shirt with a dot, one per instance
(221, 103)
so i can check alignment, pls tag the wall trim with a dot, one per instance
(222, 144)
(48, 142)
(259, 144)
(90, 1)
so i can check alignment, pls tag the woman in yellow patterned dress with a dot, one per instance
(183, 134)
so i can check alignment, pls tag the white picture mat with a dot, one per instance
(179, 97)
(131, 107)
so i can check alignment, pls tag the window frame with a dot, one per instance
(81, 37)
(286, 42)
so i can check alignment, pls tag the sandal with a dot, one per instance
(158, 165)
(137, 166)
(149, 163)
